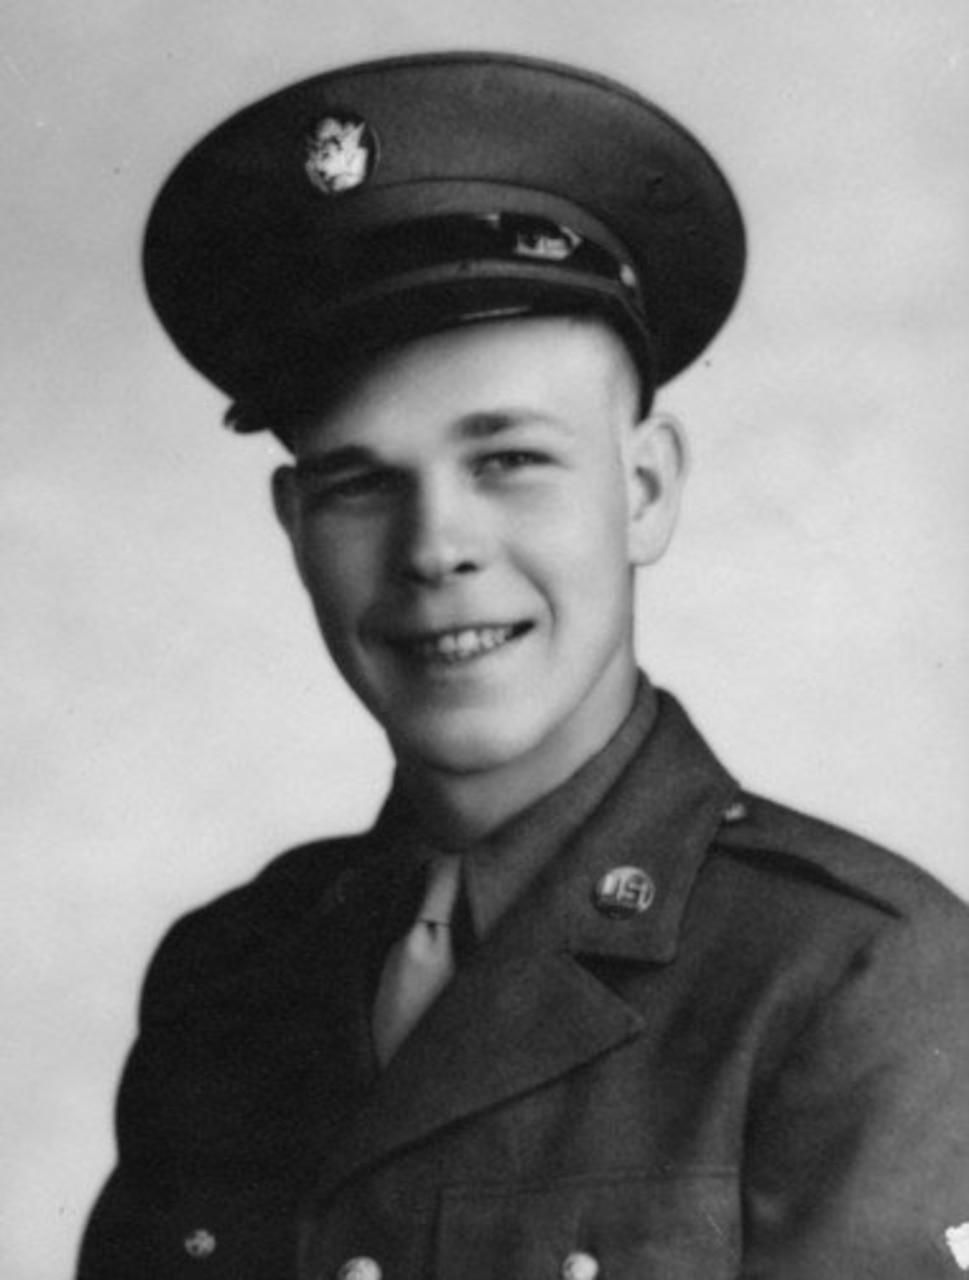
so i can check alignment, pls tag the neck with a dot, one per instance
(458, 809)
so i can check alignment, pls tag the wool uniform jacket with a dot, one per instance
(764, 1074)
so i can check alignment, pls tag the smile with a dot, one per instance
(451, 647)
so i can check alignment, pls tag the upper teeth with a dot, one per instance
(455, 645)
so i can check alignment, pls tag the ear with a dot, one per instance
(286, 504)
(656, 460)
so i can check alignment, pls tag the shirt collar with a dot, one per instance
(498, 869)
(659, 802)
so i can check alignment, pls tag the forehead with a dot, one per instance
(471, 381)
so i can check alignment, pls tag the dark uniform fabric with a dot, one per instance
(765, 1074)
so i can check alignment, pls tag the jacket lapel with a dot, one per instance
(524, 1011)
(504, 1025)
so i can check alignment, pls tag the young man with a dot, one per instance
(576, 1007)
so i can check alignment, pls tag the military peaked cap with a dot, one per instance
(380, 202)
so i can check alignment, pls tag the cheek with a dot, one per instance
(337, 570)
(580, 544)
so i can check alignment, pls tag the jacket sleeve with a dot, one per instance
(858, 1146)
(179, 1193)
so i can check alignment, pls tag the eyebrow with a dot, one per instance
(487, 424)
(346, 458)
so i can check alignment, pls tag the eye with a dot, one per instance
(510, 460)
(352, 487)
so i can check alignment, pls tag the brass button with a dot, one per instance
(580, 1266)
(360, 1269)
(624, 892)
(199, 1244)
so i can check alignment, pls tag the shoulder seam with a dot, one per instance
(783, 862)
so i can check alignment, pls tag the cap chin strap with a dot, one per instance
(432, 242)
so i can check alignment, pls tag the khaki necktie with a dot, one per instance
(419, 966)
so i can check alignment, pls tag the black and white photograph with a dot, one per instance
(485, 648)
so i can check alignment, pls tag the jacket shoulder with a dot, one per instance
(782, 842)
(232, 931)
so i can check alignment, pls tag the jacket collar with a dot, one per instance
(660, 819)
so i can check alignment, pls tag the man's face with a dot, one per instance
(466, 520)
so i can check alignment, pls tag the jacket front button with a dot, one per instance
(580, 1266)
(199, 1244)
(360, 1269)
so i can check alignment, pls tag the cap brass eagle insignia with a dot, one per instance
(340, 154)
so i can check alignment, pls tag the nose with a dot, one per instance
(443, 534)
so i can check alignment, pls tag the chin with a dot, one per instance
(464, 743)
